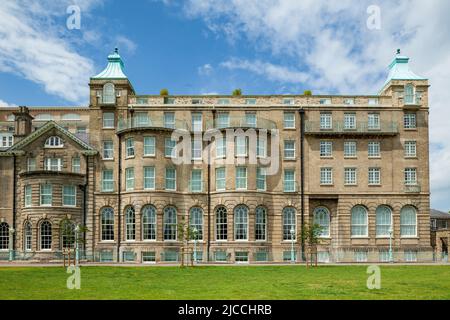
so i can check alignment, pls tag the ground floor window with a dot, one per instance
(261, 256)
(220, 256)
(128, 256)
(4, 236)
(287, 255)
(241, 256)
(360, 256)
(410, 256)
(27, 236)
(149, 257)
(383, 255)
(323, 256)
(170, 256)
(46, 235)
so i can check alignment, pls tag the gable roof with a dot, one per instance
(44, 129)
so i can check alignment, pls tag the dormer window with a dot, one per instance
(109, 93)
(54, 142)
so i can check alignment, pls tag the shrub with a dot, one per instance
(237, 92)
(164, 92)
(307, 93)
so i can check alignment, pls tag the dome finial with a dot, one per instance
(116, 50)
(398, 51)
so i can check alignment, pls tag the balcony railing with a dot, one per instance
(156, 123)
(241, 122)
(412, 100)
(413, 188)
(361, 128)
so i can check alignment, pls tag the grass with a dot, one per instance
(240, 283)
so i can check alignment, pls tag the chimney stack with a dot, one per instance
(23, 123)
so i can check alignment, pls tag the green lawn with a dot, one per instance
(252, 282)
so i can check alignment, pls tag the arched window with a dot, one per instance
(54, 142)
(408, 222)
(359, 222)
(46, 235)
(130, 224)
(383, 221)
(221, 224)
(67, 234)
(241, 223)
(109, 93)
(27, 236)
(149, 223)
(196, 221)
(107, 215)
(289, 223)
(322, 218)
(170, 223)
(261, 224)
(409, 94)
(4, 236)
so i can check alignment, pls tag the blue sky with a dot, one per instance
(214, 46)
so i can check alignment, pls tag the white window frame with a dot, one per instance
(241, 178)
(197, 180)
(289, 149)
(172, 179)
(129, 179)
(169, 148)
(197, 121)
(107, 182)
(349, 121)
(373, 121)
(326, 149)
(129, 146)
(108, 120)
(410, 149)
(53, 164)
(326, 121)
(289, 123)
(221, 179)
(169, 120)
(350, 149)
(410, 121)
(374, 149)
(241, 146)
(76, 165)
(410, 176)
(28, 192)
(45, 193)
(350, 176)
(289, 183)
(54, 142)
(108, 150)
(72, 195)
(374, 176)
(149, 179)
(149, 144)
(261, 178)
(326, 176)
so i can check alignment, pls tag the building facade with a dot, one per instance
(247, 173)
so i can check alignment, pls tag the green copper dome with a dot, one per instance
(114, 69)
(400, 70)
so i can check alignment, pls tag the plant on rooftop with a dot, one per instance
(237, 92)
(164, 92)
(307, 93)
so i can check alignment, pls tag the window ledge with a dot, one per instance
(375, 157)
(360, 237)
(149, 156)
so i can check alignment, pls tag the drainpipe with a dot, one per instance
(302, 178)
(85, 188)
(14, 200)
(119, 198)
(209, 193)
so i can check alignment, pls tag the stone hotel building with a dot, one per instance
(246, 172)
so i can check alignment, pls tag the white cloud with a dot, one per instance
(268, 70)
(128, 44)
(6, 104)
(205, 70)
(330, 42)
(32, 46)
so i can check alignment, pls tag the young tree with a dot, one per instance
(311, 237)
(185, 233)
(307, 93)
(164, 92)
